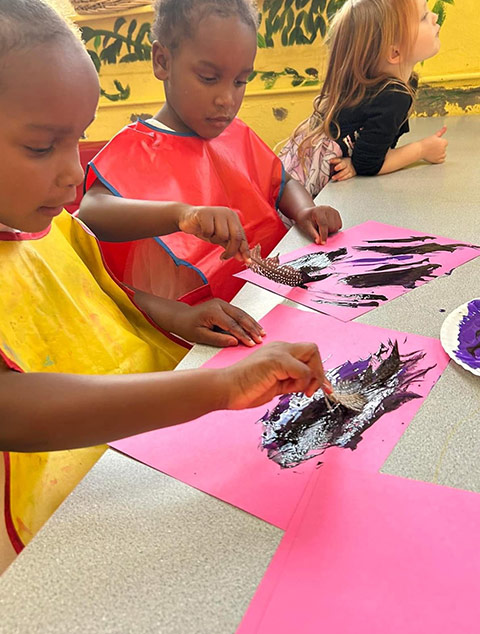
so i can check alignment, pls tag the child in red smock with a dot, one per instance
(196, 153)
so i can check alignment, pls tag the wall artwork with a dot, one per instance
(359, 269)
(260, 460)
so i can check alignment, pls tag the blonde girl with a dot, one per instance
(363, 107)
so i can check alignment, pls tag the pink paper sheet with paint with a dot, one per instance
(219, 453)
(373, 553)
(342, 284)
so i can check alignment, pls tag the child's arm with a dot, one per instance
(46, 412)
(432, 149)
(215, 323)
(317, 222)
(116, 219)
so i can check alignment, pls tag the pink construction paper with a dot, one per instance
(373, 553)
(349, 239)
(219, 453)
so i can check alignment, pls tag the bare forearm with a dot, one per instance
(164, 312)
(45, 412)
(115, 219)
(400, 157)
(294, 198)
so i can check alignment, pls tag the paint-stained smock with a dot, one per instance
(60, 311)
(235, 170)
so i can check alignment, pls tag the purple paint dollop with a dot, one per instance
(468, 350)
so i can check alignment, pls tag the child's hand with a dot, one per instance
(319, 222)
(217, 225)
(277, 368)
(343, 168)
(434, 148)
(217, 323)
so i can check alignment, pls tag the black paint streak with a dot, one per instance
(300, 428)
(406, 277)
(399, 240)
(358, 300)
(417, 249)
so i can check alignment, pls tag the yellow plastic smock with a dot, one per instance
(60, 311)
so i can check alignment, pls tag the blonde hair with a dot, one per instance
(360, 38)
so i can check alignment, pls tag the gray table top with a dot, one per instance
(132, 550)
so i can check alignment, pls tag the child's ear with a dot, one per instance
(161, 57)
(394, 56)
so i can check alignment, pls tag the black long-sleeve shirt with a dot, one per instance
(372, 128)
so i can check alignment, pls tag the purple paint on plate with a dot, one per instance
(468, 350)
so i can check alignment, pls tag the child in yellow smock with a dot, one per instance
(79, 354)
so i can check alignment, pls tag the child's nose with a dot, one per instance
(71, 171)
(435, 17)
(225, 99)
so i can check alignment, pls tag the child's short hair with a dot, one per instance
(26, 23)
(174, 19)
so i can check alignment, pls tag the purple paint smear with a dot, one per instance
(300, 428)
(468, 349)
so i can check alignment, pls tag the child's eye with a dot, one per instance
(41, 151)
(207, 79)
(238, 82)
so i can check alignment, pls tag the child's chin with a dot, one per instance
(37, 225)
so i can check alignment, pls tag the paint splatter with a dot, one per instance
(300, 428)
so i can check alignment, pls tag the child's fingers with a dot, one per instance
(218, 338)
(344, 175)
(322, 230)
(244, 252)
(441, 132)
(235, 239)
(249, 325)
(312, 231)
(206, 224)
(338, 174)
(230, 326)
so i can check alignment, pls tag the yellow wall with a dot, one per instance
(450, 81)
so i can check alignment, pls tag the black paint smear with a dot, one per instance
(392, 266)
(416, 249)
(358, 300)
(395, 271)
(300, 428)
(393, 240)
(406, 277)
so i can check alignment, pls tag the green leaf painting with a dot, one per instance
(282, 23)
(289, 22)
(112, 47)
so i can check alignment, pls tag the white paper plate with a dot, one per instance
(459, 332)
